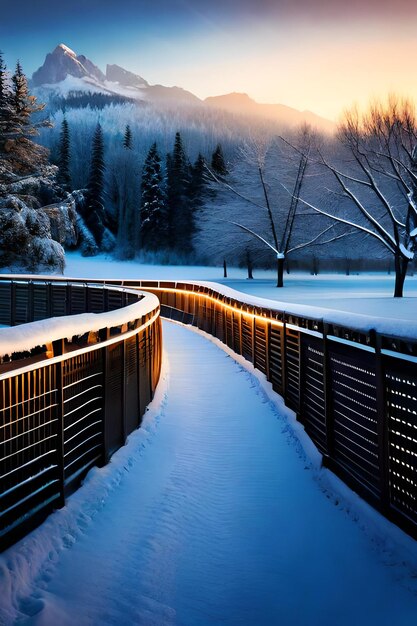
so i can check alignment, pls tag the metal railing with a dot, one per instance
(353, 389)
(69, 402)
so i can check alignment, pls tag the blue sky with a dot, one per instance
(315, 54)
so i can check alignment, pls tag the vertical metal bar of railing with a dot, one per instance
(31, 304)
(58, 348)
(12, 303)
(138, 374)
(382, 425)
(104, 334)
(253, 332)
(284, 361)
(328, 403)
(123, 415)
(268, 349)
(25, 301)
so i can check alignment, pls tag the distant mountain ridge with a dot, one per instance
(118, 74)
(64, 71)
(241, 103)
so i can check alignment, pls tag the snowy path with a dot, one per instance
(218, 521)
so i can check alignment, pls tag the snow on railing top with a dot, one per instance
(403, 329)
(27, 336)
(392, 327)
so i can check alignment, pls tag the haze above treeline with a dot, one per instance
(146, 170)
(318, 55)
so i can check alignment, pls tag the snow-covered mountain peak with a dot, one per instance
(63, 48)
(63, 62)
(63, 68)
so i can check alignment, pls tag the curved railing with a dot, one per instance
(353, 386)
(74, 382)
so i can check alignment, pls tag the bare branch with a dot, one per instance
(326, 241)
(342, 220)
(312, 241)
(371, 219)
(232, 189)
(251, 232)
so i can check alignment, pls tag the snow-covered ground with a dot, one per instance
(368, 294)
(212, 514)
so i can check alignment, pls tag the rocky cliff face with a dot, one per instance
(117, 74)
(63, 62)
(37, 221)
(26, 243)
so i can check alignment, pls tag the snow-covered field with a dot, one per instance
(217, 511)
(367, 294)
(212, 514)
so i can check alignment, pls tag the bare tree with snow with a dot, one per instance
(281, 222)
(377, 179)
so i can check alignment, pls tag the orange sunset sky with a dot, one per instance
(321, 55)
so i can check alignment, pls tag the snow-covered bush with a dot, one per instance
(42, 187)
(63, 224)
(25, 238)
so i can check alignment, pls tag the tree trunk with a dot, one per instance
(280, 271)
(314, 266)
(401, 265)
(268, 207)
(224, 268)
(249, 264)
(347, 266)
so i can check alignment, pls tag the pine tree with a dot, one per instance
(198, 182)
(94, 214)
(197, 190)
(125, 190)
(218, 163)
(4, 84)
(180, 218)
(5, 104)
(5, 119)
(20, 93)
(18, 153)
(127, 139)
(64, 175)
(153, 222)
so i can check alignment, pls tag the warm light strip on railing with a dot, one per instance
(27, 432)
(37, 443)
(41, 395)
(215, 300)
(68, 355)
(25, 417)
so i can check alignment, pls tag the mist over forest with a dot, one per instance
(154, 173)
